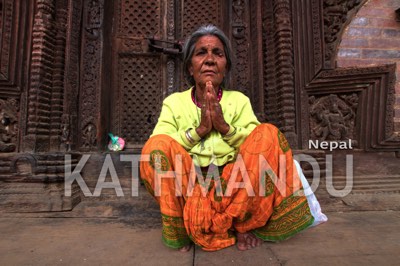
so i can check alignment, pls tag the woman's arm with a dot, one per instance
(167, 125)
(243, 123)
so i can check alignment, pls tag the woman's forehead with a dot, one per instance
(208, 41)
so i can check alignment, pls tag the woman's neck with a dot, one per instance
(198, 94)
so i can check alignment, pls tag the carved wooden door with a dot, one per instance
(143, 77)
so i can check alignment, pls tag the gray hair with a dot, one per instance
(188, 50)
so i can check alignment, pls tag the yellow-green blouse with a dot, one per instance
(179, 114)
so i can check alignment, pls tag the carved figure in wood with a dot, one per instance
(8, 125)
(333, 118)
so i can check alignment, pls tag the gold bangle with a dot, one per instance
(189, 136)
(231, 134)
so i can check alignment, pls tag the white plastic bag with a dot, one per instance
(315, 208)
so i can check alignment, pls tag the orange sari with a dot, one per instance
(260, 192)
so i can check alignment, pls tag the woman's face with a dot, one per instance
(208, 61)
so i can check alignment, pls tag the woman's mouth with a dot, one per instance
(207, 72)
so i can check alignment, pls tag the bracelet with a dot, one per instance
(231, 134)
(189, 136)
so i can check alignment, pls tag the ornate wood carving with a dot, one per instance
(171, 62)
(256, 65)
(279, 91)
(139, 18)
(197, 12)
(240, 40)
(238, 24)
(246, 39)
(91, 67)
(7, 17)
(65, 139)
(69, 122)
(138, 76)
(57, 93)
(269, 71)
(138, 122)
(285, 82)
(41, 79)
(171, 14)
(337, 13)
(317, 40)
(333, 117)
(13, 19)
(8, 125)
(374, 87)
(89, 137)
(171, 76)
(13, 34)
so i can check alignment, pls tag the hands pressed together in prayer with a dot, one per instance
(211, 113)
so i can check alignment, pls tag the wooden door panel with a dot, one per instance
(138, 81)
(140, 96)
(142, 77)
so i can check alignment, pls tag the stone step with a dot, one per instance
(370, 183)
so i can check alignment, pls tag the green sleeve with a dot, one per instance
(242, 124)
(167, 125)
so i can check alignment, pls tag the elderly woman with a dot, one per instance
(219, 175)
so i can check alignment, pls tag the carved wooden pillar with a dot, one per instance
(269, 72)
(41, 82)
(171, 36)
(280, 100)
(89, 133)
(240, 40)
(285, 83)
(71, 76)
(57, 93)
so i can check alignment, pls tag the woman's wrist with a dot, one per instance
(201, 131)
(230, 133)
(192, 136)
(226, 128)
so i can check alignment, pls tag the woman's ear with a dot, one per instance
(190, 70)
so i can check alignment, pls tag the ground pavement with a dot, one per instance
(348, 238)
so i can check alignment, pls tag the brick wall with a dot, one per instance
(373, 38)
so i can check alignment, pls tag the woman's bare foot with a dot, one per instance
(247, 241)
(185, 248)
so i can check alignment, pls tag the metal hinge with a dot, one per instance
(166, 47)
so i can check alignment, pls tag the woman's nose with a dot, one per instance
(210, 59)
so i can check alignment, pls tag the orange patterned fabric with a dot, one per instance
(259, 192)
